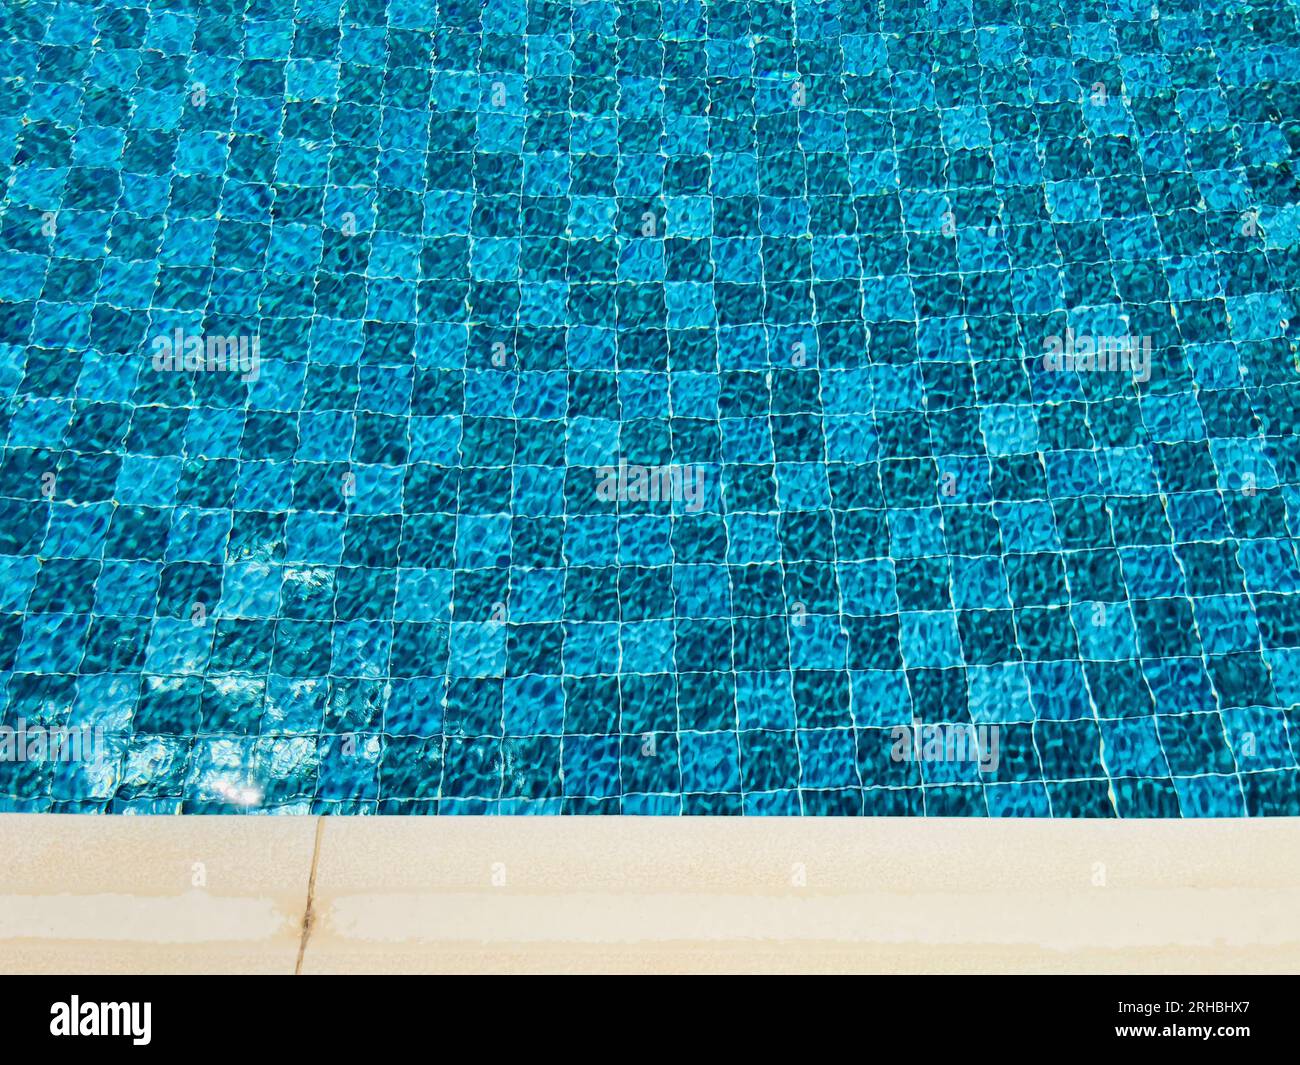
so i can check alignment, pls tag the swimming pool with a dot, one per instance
(650, 408)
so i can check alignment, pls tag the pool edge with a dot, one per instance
(222, 894)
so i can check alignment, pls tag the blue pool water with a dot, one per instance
(673, 407)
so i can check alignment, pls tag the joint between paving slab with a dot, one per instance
(309, 911)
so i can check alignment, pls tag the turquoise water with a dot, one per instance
(651, 408)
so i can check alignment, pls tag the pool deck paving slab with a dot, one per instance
(469, 894)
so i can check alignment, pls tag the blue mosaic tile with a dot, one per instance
(652, 408)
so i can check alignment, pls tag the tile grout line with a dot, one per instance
(308, 913)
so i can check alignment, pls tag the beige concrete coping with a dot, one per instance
(470, 894)
(152, 894)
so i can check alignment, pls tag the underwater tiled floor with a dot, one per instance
(651, 407)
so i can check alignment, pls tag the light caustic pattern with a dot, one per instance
(679, 407)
